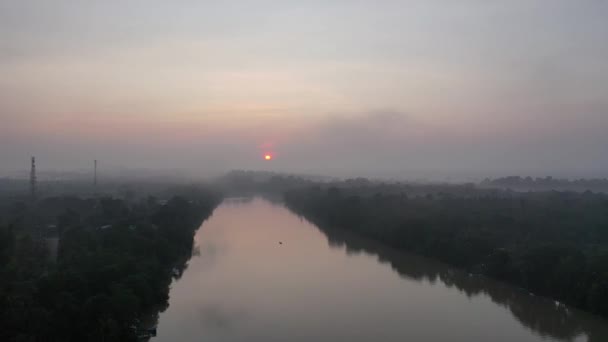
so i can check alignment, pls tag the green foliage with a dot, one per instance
(115, 263)
(552, 243)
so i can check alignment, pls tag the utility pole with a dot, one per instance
(33, 179)
(95, 173)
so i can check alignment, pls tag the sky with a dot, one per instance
(424, 88)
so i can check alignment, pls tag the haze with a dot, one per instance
(335, 87)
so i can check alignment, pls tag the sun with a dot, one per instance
(267, 157)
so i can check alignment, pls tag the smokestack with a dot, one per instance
(95, 173)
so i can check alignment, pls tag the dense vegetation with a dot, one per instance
(114, 265)
(537, 313)
(551, 243)
(547, 183)
(241, 182)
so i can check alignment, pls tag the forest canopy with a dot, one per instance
(552, 243)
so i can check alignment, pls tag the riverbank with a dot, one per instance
(244, 285)
(114, 264)
(552, 244)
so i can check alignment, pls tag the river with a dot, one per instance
(261, 273)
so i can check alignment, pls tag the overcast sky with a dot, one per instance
(476, 87)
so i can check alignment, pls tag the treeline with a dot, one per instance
(547, 183)
(536, 313)
(114, 264)
(554, 244)
(242, 182)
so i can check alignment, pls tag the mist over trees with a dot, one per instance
(547, 183)
(118, 251)
(554, 244)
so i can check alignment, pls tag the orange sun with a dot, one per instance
(267, 157)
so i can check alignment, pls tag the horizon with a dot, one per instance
(438, 89)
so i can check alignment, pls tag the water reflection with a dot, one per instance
(150, 319)
(261, 273)
(544, 316)
(216, 316)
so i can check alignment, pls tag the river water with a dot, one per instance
(262, 273)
